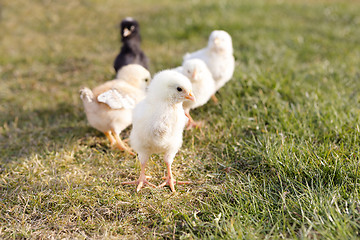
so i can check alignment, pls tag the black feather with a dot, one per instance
(130, 51)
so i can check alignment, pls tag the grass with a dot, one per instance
(278, 157)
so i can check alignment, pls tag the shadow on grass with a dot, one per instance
(25, 133)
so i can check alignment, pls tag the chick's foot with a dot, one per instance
(140, 182)
(170, 181)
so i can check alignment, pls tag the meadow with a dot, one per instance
(277, 158)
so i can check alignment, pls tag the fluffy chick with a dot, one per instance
(158, 122)
(108, 107)
(203, 85)
(218, 56)
(130, 51)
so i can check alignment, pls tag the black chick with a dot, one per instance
(130, 51)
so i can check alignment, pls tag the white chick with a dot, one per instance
(218, 56)
(203, 85)
(158, 122)
(109, 106)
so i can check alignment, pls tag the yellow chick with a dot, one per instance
(109, 106)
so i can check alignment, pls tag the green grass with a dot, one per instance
(278, 157)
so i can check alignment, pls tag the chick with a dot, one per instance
(158, 122)
(130, 51)
(218, 56)
(108, 107)
(203, 85)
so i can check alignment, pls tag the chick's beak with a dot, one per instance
(193, 76)
(190, 96)
(126, 32)
(217, 41)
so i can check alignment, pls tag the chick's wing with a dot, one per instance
(116, 99)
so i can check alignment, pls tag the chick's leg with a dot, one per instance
(110, 137)
(142, 178)
(170, 179)
(121, 145)
(214, 98)
(191, 123)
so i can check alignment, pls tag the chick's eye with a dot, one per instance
(146, 79)
(179, 89)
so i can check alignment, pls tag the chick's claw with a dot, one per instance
(130, 152)
(171, 182)
(140, 182)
